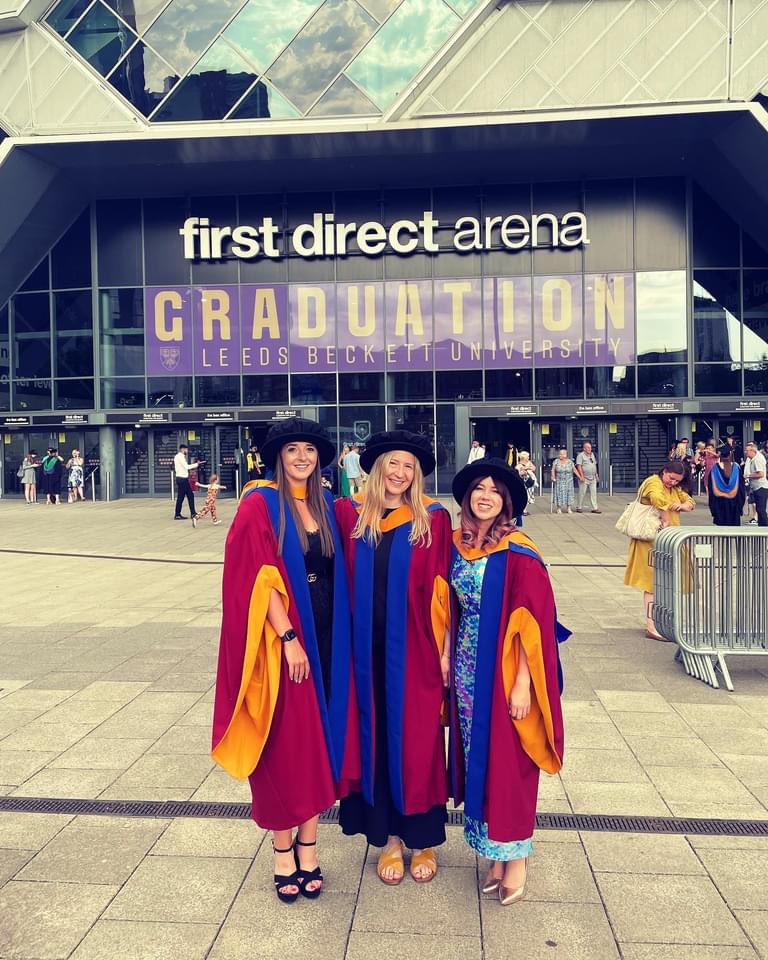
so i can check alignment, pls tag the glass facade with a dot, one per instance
(252, 59)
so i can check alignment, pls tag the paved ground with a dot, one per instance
(106, 669)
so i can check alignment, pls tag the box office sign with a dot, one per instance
(462, 324)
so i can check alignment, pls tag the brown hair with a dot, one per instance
(726, 459)
(503, 524)
(316, 504)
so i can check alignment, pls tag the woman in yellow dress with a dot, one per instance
(661, 490)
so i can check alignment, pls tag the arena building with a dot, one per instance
(526, 221)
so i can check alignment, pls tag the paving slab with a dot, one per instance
(111, 690)
(210, 838)
(550, 931)
(660, 951)
(755, 923)
(699, 784)
(137, 940)
(30, 831)
(406, 946)
(11, 862)
(641, 799)
(586, 765)
(18, 766)
(741, 876)
(74, 784)
(640, 853)
(96, 753)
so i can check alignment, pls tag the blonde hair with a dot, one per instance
(524, 455)
(368, 524)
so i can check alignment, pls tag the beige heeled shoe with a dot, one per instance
(491, 884)
(508, 896)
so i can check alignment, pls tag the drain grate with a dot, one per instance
(588, 822)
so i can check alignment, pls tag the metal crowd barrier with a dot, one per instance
(711, 595)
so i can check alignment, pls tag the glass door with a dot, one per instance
(554, 436)
(165, 446)
(227, 446)
(136, 459)
(13, 454)
(621, 452)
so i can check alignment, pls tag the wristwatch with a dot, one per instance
(289, 634)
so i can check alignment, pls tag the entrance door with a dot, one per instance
(136, 459)
(165, 446)
(218, 447)
(551, 437)
(13, 454)
(621, 452)
(655, 436)
(497, 432)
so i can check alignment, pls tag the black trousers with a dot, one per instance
(761, 505)
(183, 489)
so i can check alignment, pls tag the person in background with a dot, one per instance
(563, 470)
(512, 454)
(727, 491)
(29, 467)
(352, 469)
(343, 481)
(526, 468)
(588, 476)
(254, 463)
(737, 454)
(476, 451)
(181, 468)
(755, 472)
(51, 469)
(710, 459)
(75, 477)
(213, 487)
(661, 490)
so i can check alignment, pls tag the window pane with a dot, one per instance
(170, 392)
(756, 315)
(31, 395)
(186, 27)
(219, 210)
(754, 254)
(143, 78)
(559, 382)
(32, 313)
(756, 378)
(508, 384)
(265, 390)
(32, 325)
(343, 98)
(5, 346)
(71, 257)
(5, 395)
(73, 326)
(661, 316)
(212, 88)
(357, 424)
(557, 198)
(610, 382)
(217, 391)
(65, 13)
(264, 27)
(138, 14)
(313, 388)
(410, 386)
(610, 215)
(122, 332)
(669, 380)
(323, 48)
(116, 393)
(101, 39)
(73, 394)
(660, 224)
(459, 384)
(445, 447)
(118, 232)
(717, 379)
(716, 315)
(265, 102)
(355, 387)
(163, 253)
(406, 41)
(38, 279)
(715, 234)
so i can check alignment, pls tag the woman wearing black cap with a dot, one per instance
(284, 688)
(506, 722)
(398, 546)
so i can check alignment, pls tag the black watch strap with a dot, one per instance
(288, 635)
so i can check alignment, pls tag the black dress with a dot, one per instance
(320, 582)
(383, 819)
(726, 511)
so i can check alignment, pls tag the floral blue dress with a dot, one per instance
(467, 582)
(564, 490)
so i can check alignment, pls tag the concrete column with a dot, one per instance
(684, 428)
(462, 439)
(111, 459)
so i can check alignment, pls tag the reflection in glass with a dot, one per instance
(169, 392)
(717, 379)
(64, 14)
(217, 391)
(186, 27)
(122, 332)
(73, 394)
(555, 382)
(211, 89)
(38, 279)
(356, 387)
(463, 7)
(118, 231)
(31, 395)
(125, 392)
(264, 27)
(138, 14)
(32, 313)
(101, 39)
(756, 378)
(715, 234)
(264, 102)
(324, 47)
(508, 384)
(402, 46)
(343, 98)
(445, 447)
(71, 257)
(716, 315)
(143, 78)
(662, 380)
(5, 395)
(610, 382)
(756, 316)
(754, 254)
(410, 386)
(459, 384)
(357, 424)
(380, 9)
(661, 316)
(74, 334)
(313, 388)
(265, 389)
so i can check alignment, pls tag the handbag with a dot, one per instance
(640, 521)
(20, 472)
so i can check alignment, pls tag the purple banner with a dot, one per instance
(507, 322)
(168, 331)
(558, 328)
(216, 330)
(360, 326)
(609, 319)
(264, 327)
(312, 313)
(409, 324)
(458, 317)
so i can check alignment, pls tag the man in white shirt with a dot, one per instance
(755, 473)
(352, 468)
(183, 489)
(476, 451)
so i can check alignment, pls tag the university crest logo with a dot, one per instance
(169, 357)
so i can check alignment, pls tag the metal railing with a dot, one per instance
(711, 595)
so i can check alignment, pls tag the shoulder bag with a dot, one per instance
(640, 521)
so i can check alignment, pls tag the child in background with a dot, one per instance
(213, 487)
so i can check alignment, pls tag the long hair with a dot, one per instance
(368, 524)
(726, 461)
(316, 505)
(502, 525)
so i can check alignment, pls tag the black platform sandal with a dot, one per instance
(307, 876)
(293, 880)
